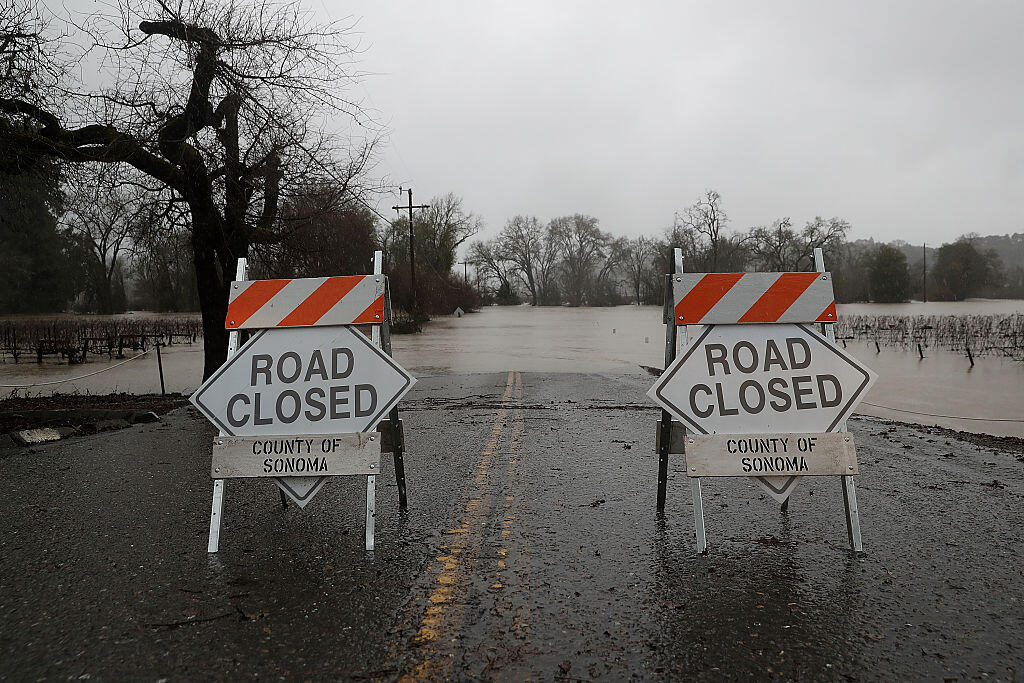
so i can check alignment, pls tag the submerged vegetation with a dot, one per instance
(74, 338)
(978, 335)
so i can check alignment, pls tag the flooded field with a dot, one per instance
(941, 389)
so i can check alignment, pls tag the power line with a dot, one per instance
(951, 417)
(412, 252)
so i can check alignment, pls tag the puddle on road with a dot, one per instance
(619, 340)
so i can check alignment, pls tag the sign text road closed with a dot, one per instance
(743, 379)
(296, 381)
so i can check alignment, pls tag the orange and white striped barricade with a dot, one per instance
(761, 390)
(309, 395)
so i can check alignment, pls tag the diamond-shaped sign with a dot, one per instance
(300, 381)
(775, 378)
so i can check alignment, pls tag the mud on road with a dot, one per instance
(530, 550)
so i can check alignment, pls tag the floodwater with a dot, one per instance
(942, 389)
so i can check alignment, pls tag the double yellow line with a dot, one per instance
(444, 611)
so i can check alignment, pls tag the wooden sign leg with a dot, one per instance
(218, 484)
(666, 437)
(398, 449)
(371, 508)
(399, 455)
(666, 418)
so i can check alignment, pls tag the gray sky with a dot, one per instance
(902, 117)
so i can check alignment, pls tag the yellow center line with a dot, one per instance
(444, 611)
(520, 618)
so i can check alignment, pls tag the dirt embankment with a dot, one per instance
(88, 413)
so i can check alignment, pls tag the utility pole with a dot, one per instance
(465, 271)
(924, 272)
(412, 252)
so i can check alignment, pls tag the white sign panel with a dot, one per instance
(296, 456)
(295, 381)
(770, 455)
(746, 379)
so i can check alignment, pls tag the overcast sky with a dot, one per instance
(905, 118)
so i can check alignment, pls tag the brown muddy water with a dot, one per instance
(942, 389)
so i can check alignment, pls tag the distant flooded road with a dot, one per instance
(942, 389)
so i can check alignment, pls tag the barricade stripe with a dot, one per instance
(374, 313)
(779, 297)
(828, 315)
(704, 295)
(251, 300)
(321, 300)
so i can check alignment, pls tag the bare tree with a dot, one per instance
(491, 262)
(105, 211)
(441, 229)
(700, 231)
(325, 234)
(581, 246)
(604, 289)
(217, 100)
(522, 243)
(638, 260)
(707, 218)
(780, 248)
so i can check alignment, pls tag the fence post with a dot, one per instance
(160, 366)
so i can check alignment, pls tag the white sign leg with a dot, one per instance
(215, 513)
(698, 515)
(698, 501)
(849, 488)
(371, 480)
(218, 484)
(371, 508)
(852, 514)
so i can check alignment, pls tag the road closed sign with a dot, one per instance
(300, 381)
(746, 379)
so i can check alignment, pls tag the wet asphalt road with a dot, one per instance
(531, 550)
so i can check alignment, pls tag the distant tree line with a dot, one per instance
(570, 260)
(97, 239)
(94, 240)
(90, 242)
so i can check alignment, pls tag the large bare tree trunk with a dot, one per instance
(213, 284)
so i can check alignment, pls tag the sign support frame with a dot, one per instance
(216, 513)
(390, 434)
(666, 436)
(849, 488)
(394, 421)
(671, 348)
(371, 479)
